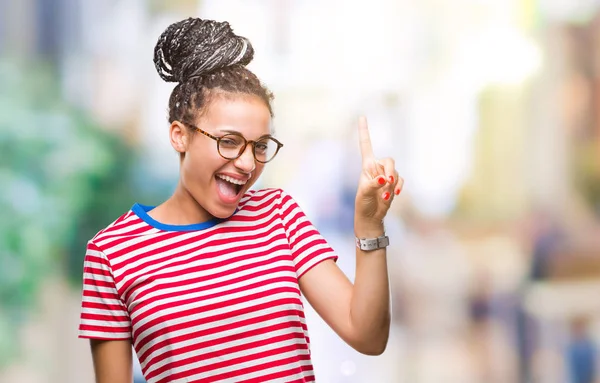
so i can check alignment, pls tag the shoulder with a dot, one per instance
(124, 225)
(268, 198)
(253, 197)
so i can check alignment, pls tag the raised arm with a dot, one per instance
(360, 313)
(113, 362)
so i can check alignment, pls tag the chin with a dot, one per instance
(223, 212)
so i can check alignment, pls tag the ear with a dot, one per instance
(178, 135)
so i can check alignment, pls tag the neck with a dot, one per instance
(180, 209)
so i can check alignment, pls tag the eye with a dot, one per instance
(231, 141)
(261, 147)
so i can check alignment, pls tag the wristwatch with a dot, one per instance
(369, 244)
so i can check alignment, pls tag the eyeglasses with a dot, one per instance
(232, 145)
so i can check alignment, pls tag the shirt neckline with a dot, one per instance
(142, 212)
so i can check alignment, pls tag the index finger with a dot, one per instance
(366, 149)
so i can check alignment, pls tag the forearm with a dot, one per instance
(370, 304)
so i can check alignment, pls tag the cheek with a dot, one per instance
(200, 166)
(257, 172)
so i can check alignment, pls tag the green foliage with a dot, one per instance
(62, 179)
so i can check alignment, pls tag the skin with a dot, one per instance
(359, 313)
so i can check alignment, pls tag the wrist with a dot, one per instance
(368, 228)
(370, 244)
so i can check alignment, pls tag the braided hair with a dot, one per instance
(206, 59)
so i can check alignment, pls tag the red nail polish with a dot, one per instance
(381, 181)
(386, 196)
(397, 192)
(391, 179)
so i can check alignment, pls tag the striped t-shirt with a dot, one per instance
(212, 302)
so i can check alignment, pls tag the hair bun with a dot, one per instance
(194, 47)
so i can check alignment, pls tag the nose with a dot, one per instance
(246, 162)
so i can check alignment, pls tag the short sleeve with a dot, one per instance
(307, 245)
(103, 313)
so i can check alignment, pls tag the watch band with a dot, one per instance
(369, 244)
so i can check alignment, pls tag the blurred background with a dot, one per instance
(491, 109)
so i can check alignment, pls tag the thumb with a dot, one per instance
(375, 180)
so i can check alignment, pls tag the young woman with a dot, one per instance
(207, 285)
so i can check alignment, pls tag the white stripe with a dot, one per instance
(181, 271)
(101, 323)
(308, 240)
(95, 253)
(96, 278)
(116, 261)
(101, 289)
(268, 201)
(298, 231)
(168, 293)
(207, 314)
(273, 370)
(188, 235)
(105, 335)
(206, 326)
(233, 367)
(108, 240)
(109, 236)
(133, 239)
(220, 299)
(102, 301)
(147, 287)
(125, 259)
(94, 311)
(222, 346)
(314, 261)
(168, 257)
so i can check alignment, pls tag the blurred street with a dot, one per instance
(491, 109)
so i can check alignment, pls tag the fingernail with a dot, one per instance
(386, 196)
(391, 179)
(381, 181)
(397, 191)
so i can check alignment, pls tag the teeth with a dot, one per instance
(231, 180)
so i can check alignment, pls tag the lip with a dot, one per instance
(238, 177)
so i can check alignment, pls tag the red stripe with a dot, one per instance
(222, 294)
(157, 250)
(97, 283)
(101, 306)
(126, 289)
(334, 258)
(240, 360)
(282, 374)
(214, 306)
(226, 283)
(217, 318)
(222, 328)
(86, 327)
(245, 250)
(105, 317)
(200, 349)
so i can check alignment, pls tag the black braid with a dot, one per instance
(205, 57)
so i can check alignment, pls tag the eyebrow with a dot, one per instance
(230, 131)
(239, 133)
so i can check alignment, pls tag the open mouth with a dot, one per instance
(229, 187)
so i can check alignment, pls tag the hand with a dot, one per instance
(379, 182)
